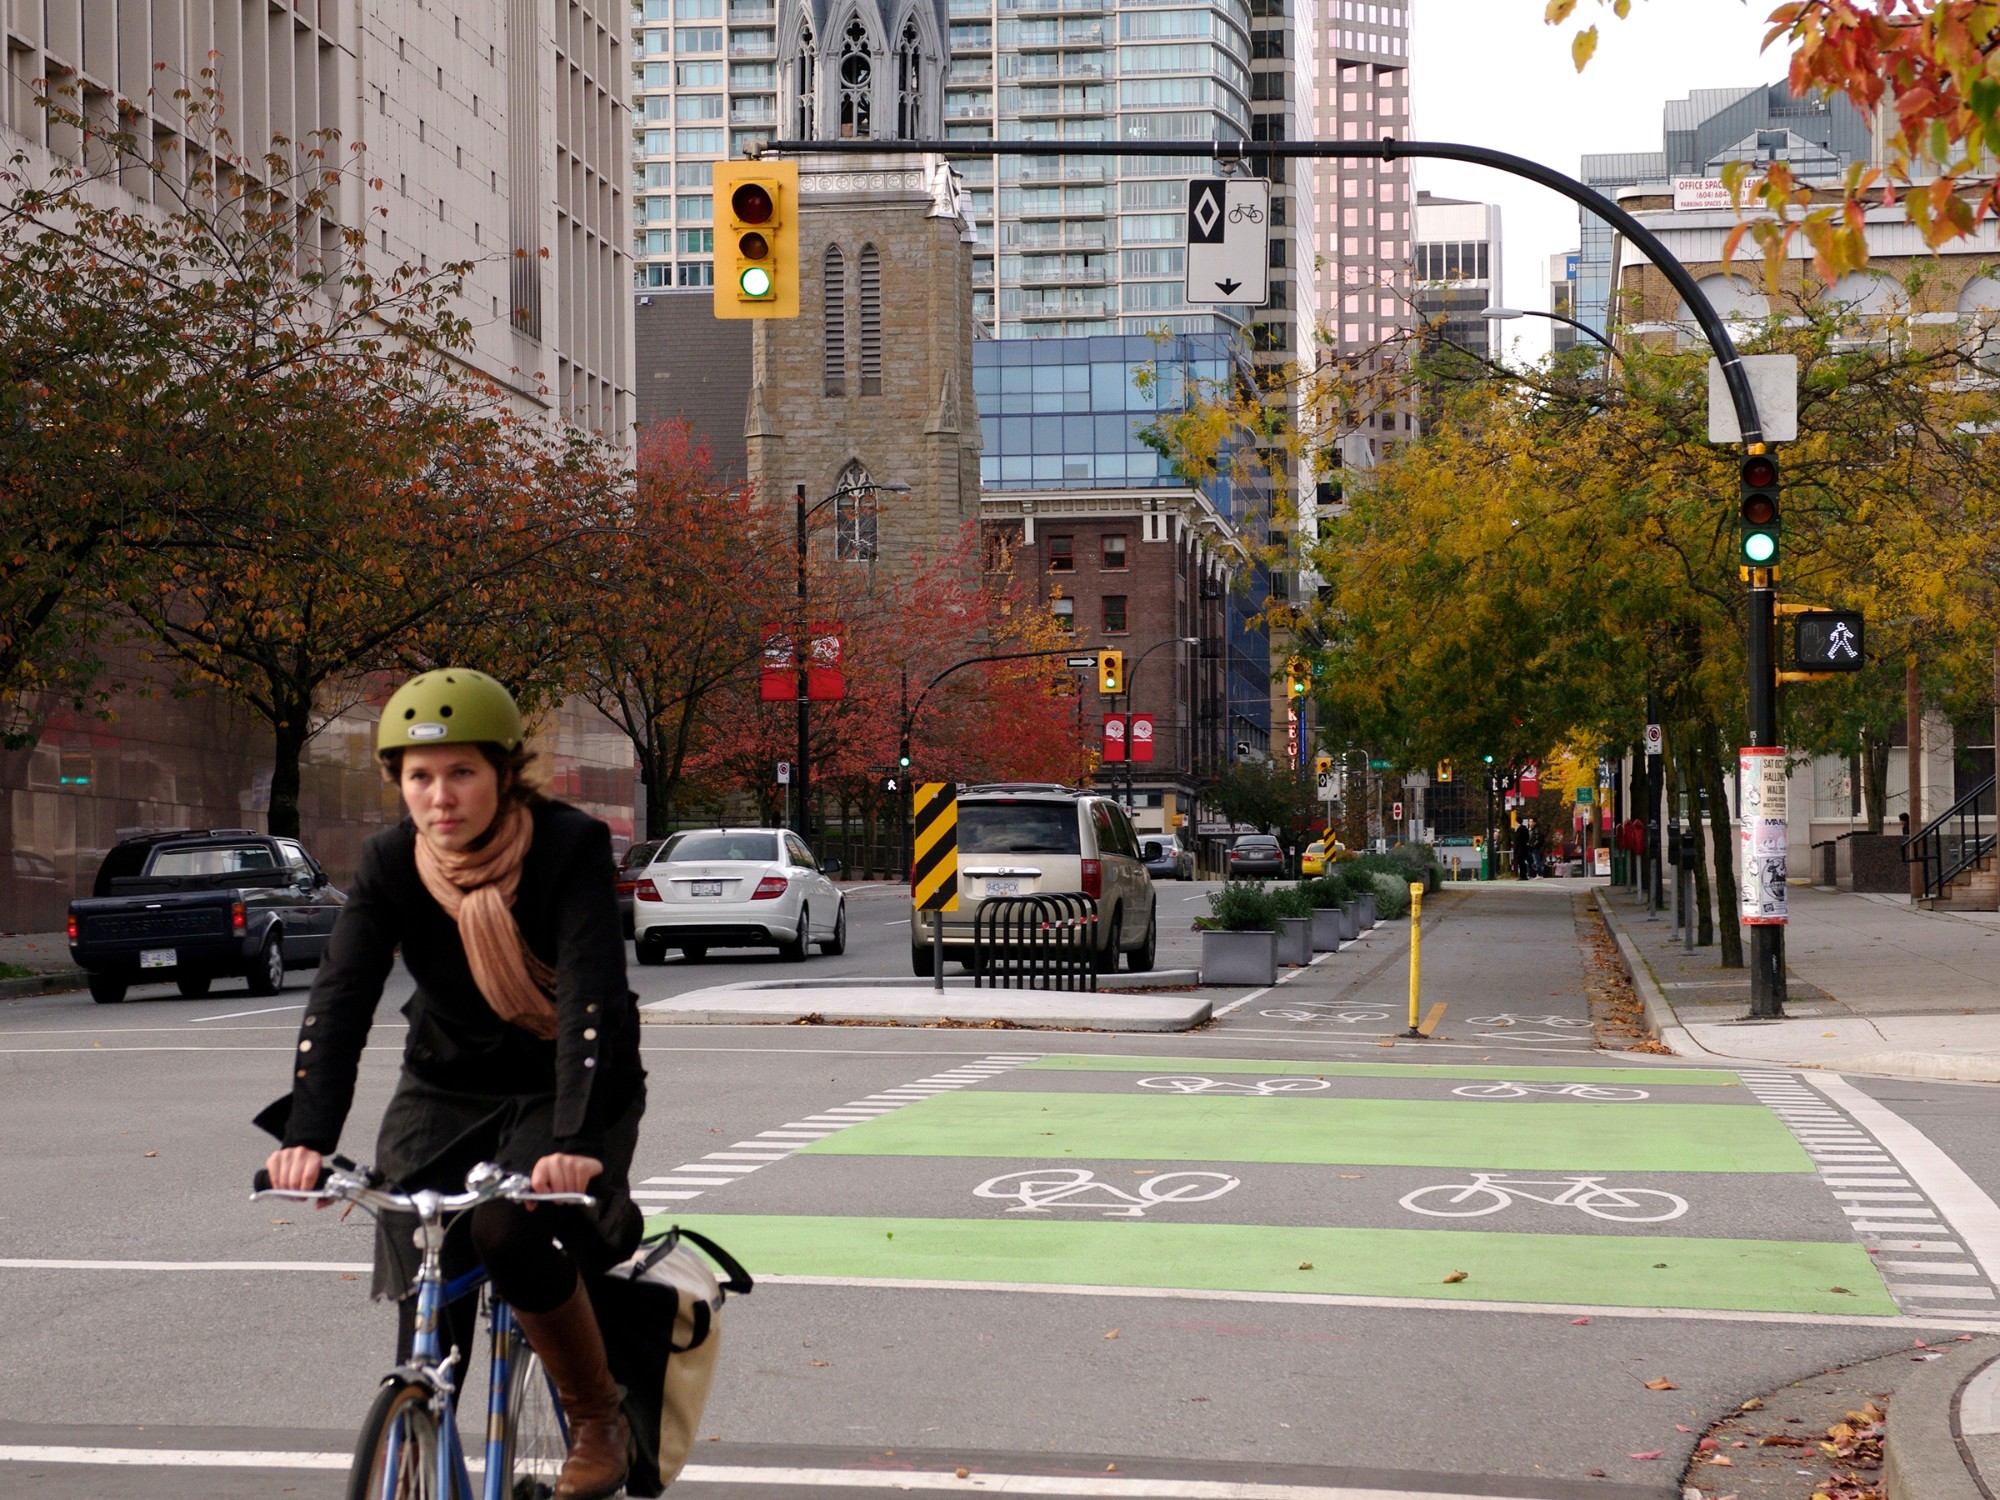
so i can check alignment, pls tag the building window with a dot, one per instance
(909, 83)
(1062, 554)
(855, 534)
(871, 321)
(1064, 611)
(833, 283)
(697, 273)
(1114, 614)
(808, 115)
(1114, 553)
(857, 81)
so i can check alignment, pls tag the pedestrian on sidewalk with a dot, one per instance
(523, 1040)
(1537, 849)
(1518, 848)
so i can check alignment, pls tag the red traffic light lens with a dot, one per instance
(1760, 471)
(754, 246)
(751, 203)
(1759, 510)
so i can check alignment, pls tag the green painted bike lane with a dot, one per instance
(1635, 1266)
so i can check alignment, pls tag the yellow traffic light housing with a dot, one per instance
(1111, 673)
(1444, 772)
(1322, 764)
(756, 239)
(1298, 679)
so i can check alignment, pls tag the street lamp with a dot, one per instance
(1500, 313)
(1131, 673)
(801, 644)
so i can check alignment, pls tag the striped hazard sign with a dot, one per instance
(934, 871)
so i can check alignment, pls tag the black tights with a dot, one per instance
(523, 1259)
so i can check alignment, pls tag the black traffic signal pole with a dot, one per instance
(1767, 940)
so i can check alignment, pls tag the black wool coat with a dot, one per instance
(567, 909)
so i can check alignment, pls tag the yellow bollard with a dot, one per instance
(1416, 952)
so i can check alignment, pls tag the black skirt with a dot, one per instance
(431, 1137)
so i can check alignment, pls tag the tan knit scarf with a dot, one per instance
(476, 888)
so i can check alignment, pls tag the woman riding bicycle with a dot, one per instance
(523, 1041)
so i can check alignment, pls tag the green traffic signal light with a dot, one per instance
(1759, 510)
(903, 761)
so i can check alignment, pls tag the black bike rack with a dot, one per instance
(1046, 942)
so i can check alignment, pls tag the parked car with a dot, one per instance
(1312, 861)
(1255, 856)
(737, 888)
(1166, 858)
(629, 869)
(194, 907)
(1023, 840)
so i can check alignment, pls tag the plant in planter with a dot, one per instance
(1392, 897)
(1239, 937)
(1327, 895)
(1294, 911)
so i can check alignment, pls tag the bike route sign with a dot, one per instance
(1229, 241)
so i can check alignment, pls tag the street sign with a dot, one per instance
(1828, 640)
(1326, 786)
(784, 773)
(1774, 382)
(1229, 241)
(1378, 765)
(1086, 662)
(1415, 779)
(934, 869)
(1585, 795)
(1656, 740)
(1396, 812)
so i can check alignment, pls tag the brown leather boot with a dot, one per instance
(572, 1351)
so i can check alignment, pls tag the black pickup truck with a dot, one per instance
(197, 906)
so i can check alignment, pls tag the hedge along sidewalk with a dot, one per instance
(1874, 986)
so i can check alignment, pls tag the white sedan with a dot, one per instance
(737, 888)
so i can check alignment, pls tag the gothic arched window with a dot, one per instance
(808, 80)
(833, 284)
(909, 83)
(856, 535)
(857, 80)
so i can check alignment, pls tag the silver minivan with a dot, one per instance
(1034, 839)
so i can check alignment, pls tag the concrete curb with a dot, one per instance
(1155, 979)
(1661, 1018)
(915, 1006)
(1924, 1454)
(55, 982)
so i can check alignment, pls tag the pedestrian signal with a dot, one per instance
(1110, 673)
(756, 239)
(1760, 510)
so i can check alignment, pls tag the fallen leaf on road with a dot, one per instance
(1724, 1460)
(1111, 1468)
(962, 1473)
(1385, 1044)
(821, 1364)
(1840, 1289)
(281, 1221)
(1681, 1427)
(152, 1153)
(1658, 1453)
(1456, 1276)
(1305, 1265)
(1595, 1473)
(1706, 1445)
(1112, 1335)
(1782, 1440)
(1755, 1403)
(1352, 1175)
(1579, 1322)
(1661, 1384)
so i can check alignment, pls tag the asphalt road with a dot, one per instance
(1231, 1255)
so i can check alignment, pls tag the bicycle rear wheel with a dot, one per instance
(536, 1441)
(397, 1455)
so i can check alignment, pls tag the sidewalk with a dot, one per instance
(1874, 985)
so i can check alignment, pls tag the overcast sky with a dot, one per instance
(1491, 73)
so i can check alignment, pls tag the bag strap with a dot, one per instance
(665, 1247)
(704, 1321)
(736, 1279)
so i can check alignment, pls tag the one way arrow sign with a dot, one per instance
(1229, 241)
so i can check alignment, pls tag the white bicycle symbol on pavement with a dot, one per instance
(1262, 1087)
(1553, 1028)
(1348, 1011)
(1591, 1091)
(1489, 1192)
(1046, 1188)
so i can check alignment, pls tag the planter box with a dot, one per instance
(1368, 917)
(1350, 919)
(1239, 957)
(1329, 929)
(1295, 940)
(1871, 862)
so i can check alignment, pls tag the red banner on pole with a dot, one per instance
(778, 671)
(1531, 780)
(825, 682)
(1114, 737)
(1141, 748)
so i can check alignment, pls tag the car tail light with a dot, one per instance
(239, 919)
(72, 927)
(1093, 878)
(769, 886)
(645, 890)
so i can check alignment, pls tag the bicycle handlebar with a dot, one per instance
(342, 1179)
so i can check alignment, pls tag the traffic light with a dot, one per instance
(756, 239)
(1760, 510)
(1444, 772)
(1298, 679)
(1111, 673)
(1322, 764)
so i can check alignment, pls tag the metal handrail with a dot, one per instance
(1951, 843)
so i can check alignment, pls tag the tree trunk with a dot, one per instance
(1875, 779)
(1698, 780)
(1725, 850)
(290, 732)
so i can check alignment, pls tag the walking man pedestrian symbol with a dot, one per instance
(1841, 643)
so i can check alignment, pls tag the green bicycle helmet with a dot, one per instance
(451, 706)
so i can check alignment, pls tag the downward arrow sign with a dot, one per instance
(1227, 287)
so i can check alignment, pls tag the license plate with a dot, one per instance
(705, 888)
(158, 958)
(1003, 887)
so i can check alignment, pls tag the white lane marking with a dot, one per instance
(787, 1138)
(1089, 1487)
(1416, 1304)
(1973, 1216)
(1921, 1247)
(1942, 1293)
(897, 922)
(649, 1195)
(1871, 1211)
(1236, 1005)
(737, 1167)
(1928, 1267)
(761, 1158)
(237, 1015)
(186, 1265)
(699, 1182)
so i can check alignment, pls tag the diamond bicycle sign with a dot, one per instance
(1229, 241)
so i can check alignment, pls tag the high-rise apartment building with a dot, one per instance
(1456, 263)
(1562, 299)
(497, 135)
(1817, 137)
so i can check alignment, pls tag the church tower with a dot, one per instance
(861, 69)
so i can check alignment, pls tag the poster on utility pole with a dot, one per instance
(1761, 835)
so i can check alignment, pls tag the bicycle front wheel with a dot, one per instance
(1632, 1205)
(397, 1455)
(536, 1443)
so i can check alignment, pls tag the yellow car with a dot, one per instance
(1313, 861)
